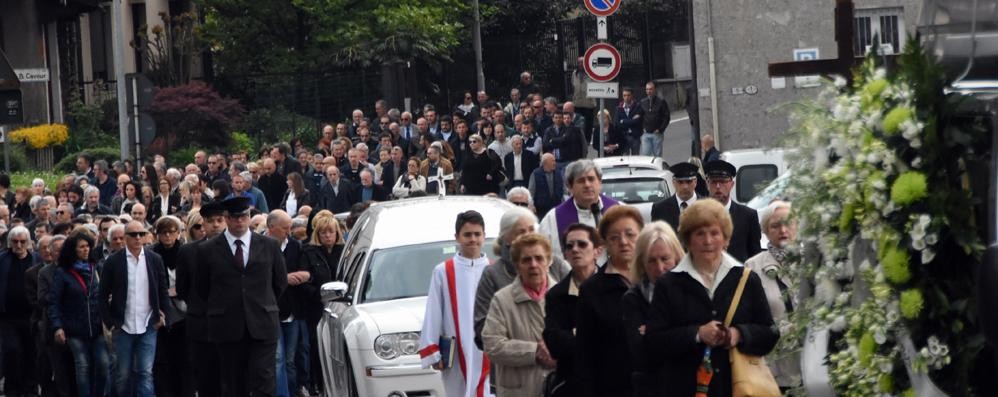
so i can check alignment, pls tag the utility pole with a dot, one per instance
(119, 74)
(476, 43)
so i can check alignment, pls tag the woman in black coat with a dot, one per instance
(602, 360)
(482, 170)
(690, 303)
(657, 252)
(321, 257)
(581, 248)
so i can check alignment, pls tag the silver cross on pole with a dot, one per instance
(440, 179)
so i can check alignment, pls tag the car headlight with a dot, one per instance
(390, 346)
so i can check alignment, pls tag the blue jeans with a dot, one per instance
(281, 374)
(651, 144)
(91, 359)
(133, 359)
(291, 336)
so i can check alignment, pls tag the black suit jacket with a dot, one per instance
(294, 300)
(379, 193)
(157, 206)
(241, 303)
(528, 161)
(667, 210)
(388, 173)
(290, 165)
(559, 332)
(745, 236)
(114, 288)
(196, 320)
(337, 203)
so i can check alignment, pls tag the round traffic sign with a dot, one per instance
(602, 8)
(602, 62)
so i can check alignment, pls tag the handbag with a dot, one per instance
(750, 376)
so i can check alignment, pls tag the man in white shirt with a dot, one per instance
(133, 300)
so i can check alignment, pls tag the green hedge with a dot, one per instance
(109, 154)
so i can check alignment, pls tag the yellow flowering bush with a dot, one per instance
(41, 136)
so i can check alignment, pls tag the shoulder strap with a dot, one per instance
(737, 297)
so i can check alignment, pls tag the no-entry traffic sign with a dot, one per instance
(602, 62)
(602, 8)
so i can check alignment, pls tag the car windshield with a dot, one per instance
(636, 190)
(404, 272)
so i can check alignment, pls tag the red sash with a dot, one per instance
(452, 292)
(79, 279)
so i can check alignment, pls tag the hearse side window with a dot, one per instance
(752, 179)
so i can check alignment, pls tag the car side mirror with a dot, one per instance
(335, 291)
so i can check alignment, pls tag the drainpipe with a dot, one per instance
(713, 79)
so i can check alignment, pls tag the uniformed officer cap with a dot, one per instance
(719, 169)
(683, 171)
(212, 208)
(237, 206)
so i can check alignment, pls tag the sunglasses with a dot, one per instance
(582, 244)
(135, 234)
(18, 241)
(522, 204)
(196, 226)
(60, 212)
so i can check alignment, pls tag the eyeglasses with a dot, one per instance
(628, 236)
(19, 242)
(136, 234)
(196, 226)
(582, 244)
(522, 204)
(60, 212)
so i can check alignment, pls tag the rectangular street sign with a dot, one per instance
(600, 28)
(32, 75)
(602, 90)
(11, 108)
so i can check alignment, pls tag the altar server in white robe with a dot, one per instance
(450, 307)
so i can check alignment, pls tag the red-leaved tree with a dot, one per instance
(195, 113)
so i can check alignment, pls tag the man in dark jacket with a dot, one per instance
(684, 182)
(133, 300)
(367, 190)
(654, 122)
(746, 235)
(201, 350)
(547, 185)
(629, 119)
(519, 164)
(565, 141)
(337, 195)
(286, 162)
(292, 304)
(17, 347)
(240, 275)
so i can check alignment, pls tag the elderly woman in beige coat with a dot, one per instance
(513, 327)
(771, 268)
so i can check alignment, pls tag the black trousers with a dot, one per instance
(63, 367)
(204, 362)
(247, 367)
(17, 350)
(173, 370)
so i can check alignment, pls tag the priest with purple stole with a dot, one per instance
(587, 204)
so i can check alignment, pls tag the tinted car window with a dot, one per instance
(752, 178)
(636, 190)
(404, 272)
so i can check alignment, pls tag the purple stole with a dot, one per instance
(566, 214)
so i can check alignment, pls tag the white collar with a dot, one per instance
(691, 200)
(231, 238)
(467, 262)
(142, 253)
(727, 263)
(599, 202)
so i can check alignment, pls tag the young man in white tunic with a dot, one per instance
(450, 307)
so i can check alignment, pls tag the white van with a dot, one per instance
(755, 169)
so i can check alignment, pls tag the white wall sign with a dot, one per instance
(32, 75)
(602, 90)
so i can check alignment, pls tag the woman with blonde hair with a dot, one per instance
(195, 228)
(657, 252)
(320, 257)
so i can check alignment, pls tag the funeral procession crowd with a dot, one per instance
(204, 278)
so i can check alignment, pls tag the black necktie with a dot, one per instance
(683, 205)
(239, 254)
(596, 213)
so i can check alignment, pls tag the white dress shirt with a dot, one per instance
(138, 310)
(688, 202)
(518, 166)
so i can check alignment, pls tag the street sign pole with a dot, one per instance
(6, 149)
(599, 112)
(602, 61)
(135, 113)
